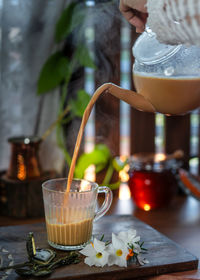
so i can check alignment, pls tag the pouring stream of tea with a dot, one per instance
(134, 99)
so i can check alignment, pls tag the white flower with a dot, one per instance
(118, 252)
(142, 260)
(129, 237)
(136, 248)
(124, 247)
(95, 253)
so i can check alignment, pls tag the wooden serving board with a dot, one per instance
(164, 255)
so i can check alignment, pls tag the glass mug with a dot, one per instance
(70, 216)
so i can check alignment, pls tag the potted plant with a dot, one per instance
(63, 67)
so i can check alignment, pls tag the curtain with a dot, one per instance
(27, 39)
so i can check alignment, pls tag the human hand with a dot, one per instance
(135, 12)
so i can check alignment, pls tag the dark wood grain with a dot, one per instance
(22, 199)
(177, 135)
(163, 254)
(142, 125)
(199, 138)
(142, 132)
(107, 107)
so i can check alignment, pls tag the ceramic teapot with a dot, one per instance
(167, 78)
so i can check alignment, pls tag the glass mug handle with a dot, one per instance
(106, 204)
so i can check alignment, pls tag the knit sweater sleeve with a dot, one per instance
(175, 21)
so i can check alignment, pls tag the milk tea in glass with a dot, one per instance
(70, 215)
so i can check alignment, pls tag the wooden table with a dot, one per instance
(180, 222)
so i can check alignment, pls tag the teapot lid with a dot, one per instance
(148, 50)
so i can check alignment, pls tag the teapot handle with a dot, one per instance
(136, 100)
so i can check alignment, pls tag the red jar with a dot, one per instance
(152, 184)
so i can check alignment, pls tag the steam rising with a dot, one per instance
(104, 19)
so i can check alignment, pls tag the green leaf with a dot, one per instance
(83, 56)
(99, 157)
(99, 167)
(63, 25)
(54, 71)
(108, 176)
(114, 186)
(102, 237)
(70, 18)
(79, 104)
(118, 164)
(104, 149)
(62, 144)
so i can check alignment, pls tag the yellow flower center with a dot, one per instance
(119, 253)
(99, 255)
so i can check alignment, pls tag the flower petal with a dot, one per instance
(121, 262)
(88, 250)
(142, 260)
(111, 260)
(114, 257)
(132, 232)
(137, 249)
(136, 239)
(99, 246)
(89, 261)
(123, 236)
(110, 249)
(117, 243)
(128, 236)
(103, 260)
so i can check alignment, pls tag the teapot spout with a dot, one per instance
(134, 99)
